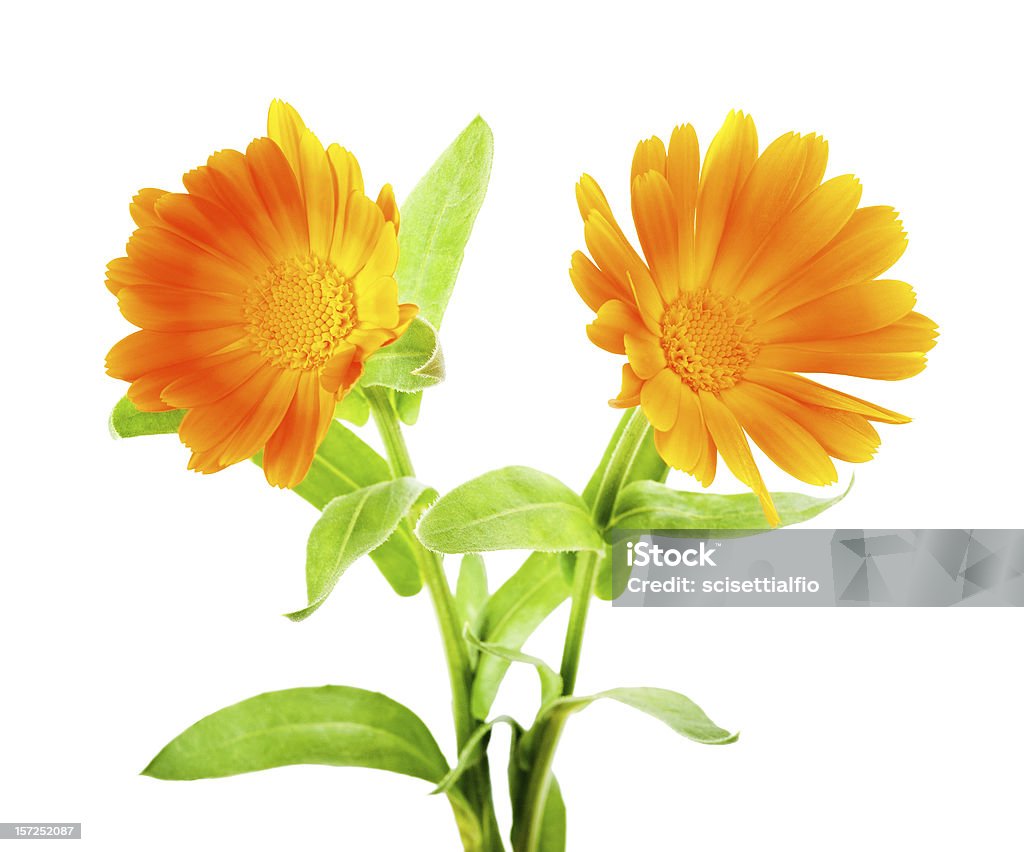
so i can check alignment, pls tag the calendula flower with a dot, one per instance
(755, 271)
(260, 292)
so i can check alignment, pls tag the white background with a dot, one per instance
(136, 597)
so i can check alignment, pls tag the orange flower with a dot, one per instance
(260, 292)
(755, 271)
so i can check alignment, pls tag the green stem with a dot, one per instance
(612, 478)
(460, 671)
(430, 566)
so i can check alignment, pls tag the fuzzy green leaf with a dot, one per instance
(512, 613)
(410, 364)
(515, 508)
(126, 421)
(331, 725)
(437, 219)
(653, 506)
(550, 680)
(352, 526)
(471, 589)
(646, 464)
(408, 406)
(353, 407)
(675, 710)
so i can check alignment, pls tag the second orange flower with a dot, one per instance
(753, 271)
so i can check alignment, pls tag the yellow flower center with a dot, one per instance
(298, 312)
(707, 339)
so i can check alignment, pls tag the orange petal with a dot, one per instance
(629, 396)
(805, 390)
(292, 447)
(659, 399)
(353, 247)
(160, 256)
(766, 196)
(377, 302)
(729, 159)
(649, 156)
(159, 308)
(211, 227)
(889, 366)
(732, 444)
(868, 244)
(343, 370)
(146, 351)
(682, 446)
(682, 170)
(212, 378)
(277, 186)
(207, 426)
(645, 354)
(142, 206)
(594, 287)
(856, 309)
(383, 259)
(782, 438)
(388, 206)
(912, 333)
(231, 183)
(614, 320)
(801, 234)
(655, 216)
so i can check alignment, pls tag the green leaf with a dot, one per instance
(345, 463)
(408, 406)
(437, 219)
(471, 589)
(653, 506)
(126, 421)
(511, 614)
(352, 526)
(354, 407)
(471, 752)
(646, 464)
(550, 680)
(332, 725)
(410, 364)
(675, 710)
(515, 508)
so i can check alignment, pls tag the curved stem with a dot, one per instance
(621, 460)
(430, 566)
(460, 671)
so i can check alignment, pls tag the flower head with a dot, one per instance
(753, 271)
(260, 292)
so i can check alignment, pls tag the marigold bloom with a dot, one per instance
(260, 292)
(755, 271)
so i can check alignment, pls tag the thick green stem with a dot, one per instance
(460, 672)
(611, 481)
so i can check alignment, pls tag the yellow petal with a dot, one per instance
(856, 309)
(655, 216)
(682, 446)
(732, 444)
(614, 320)
(645, 354)
(729, 158)
(782, 438)
(659, 399)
